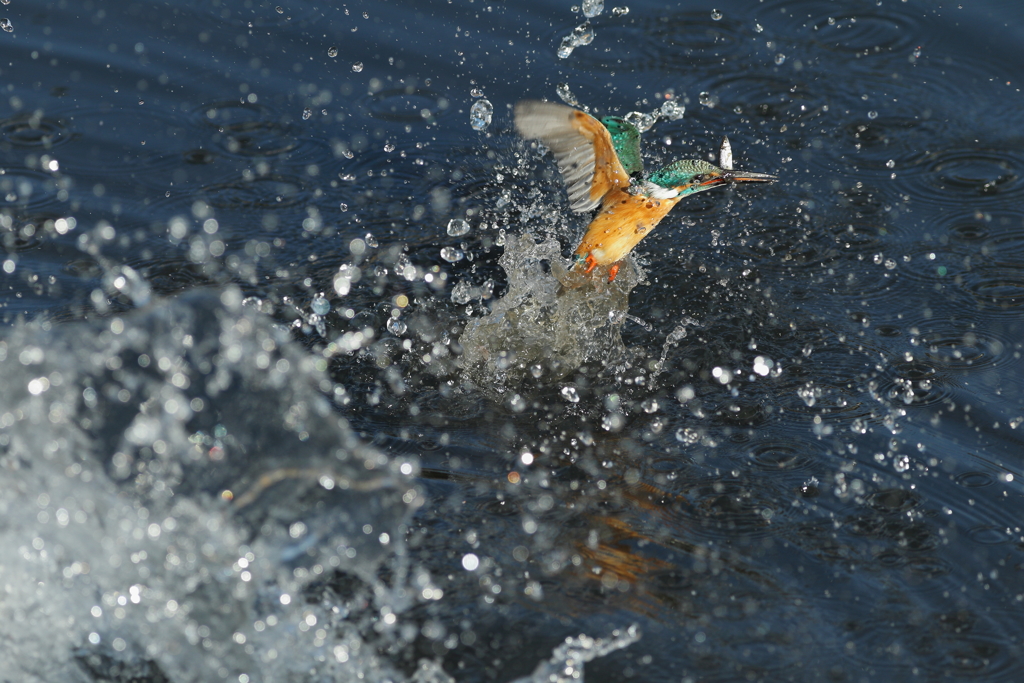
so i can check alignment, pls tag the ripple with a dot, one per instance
(774, 456)
(996, 289)
(405, 105)
(975, 479)
(247, 130)
(956, 176)
(915, 383)
(673, 42)
(265, 192)
(894, 500)
(768, 96)
(737, 507)
(961, 346)
(26, 189)
(858, 236)
(859, 27)
(987, 534)
(31, 131)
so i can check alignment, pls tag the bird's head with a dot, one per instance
(689, 176)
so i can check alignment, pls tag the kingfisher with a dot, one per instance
(601, 165)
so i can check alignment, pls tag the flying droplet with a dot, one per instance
(457, 227)
(566, 95)
(389, 147)
(673, 110)
(620, 11)
(357, 67)
(570, 394)
(306, 113)
(6, 25)
(332, 52)
(480, 114)
(780, 58)
(706, 99)
(320, 305)
(452, 254)
(396, 327)
(592, 8)
(716, 15)
(476, 92)
(279, 9)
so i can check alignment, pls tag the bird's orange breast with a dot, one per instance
(624, 220)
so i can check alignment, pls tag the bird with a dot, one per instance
(601, 165)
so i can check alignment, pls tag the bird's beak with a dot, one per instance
(747, 177)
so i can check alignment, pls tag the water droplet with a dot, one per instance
(706, 99)
(279, 9)
(6, 25)
(389, 147)
(332, 52)
(320, 305)
(780, 58)
(620, 11)
(592, 8)
(452, 254)
(872, 114)
(890, 164)
(457, 227)
(643, 122)
(343, 207)
(673, 110)
(570, 394)
(462, 293)
(716, 15)
(566, 48)
(583, 34)
(758, 28)
(650, 405)
(370, 240)
(306, 113)
(396, 326)
(566, 95)
(480, 114)
(476, 92)
(357, 67)
(917, 52)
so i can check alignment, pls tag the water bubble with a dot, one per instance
(570, 394)
(320, 305)
(462, 293)
(716, 15)
(480, 114)
(673, 110)
(357, 67)
(332, 52)
(583, 34)
(763, 365)
(457, 227)
(566, 48)
(592, 8)
(779, 59)
(566, 95)
(452, 254)
(396, 326)
(6, 25)
(643, 122)
(306, 113)
(620, 11)
(872, 114)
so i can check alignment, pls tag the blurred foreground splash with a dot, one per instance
(182, 503)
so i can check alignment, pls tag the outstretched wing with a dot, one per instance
(582, 147)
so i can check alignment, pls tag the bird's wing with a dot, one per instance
(582, 147)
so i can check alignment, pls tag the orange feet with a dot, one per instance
(591, 263)
(613, 271)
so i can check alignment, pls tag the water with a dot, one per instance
(256, 427)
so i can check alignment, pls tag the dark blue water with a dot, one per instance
(239, 439)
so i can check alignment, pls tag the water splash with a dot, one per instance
(550, 316)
